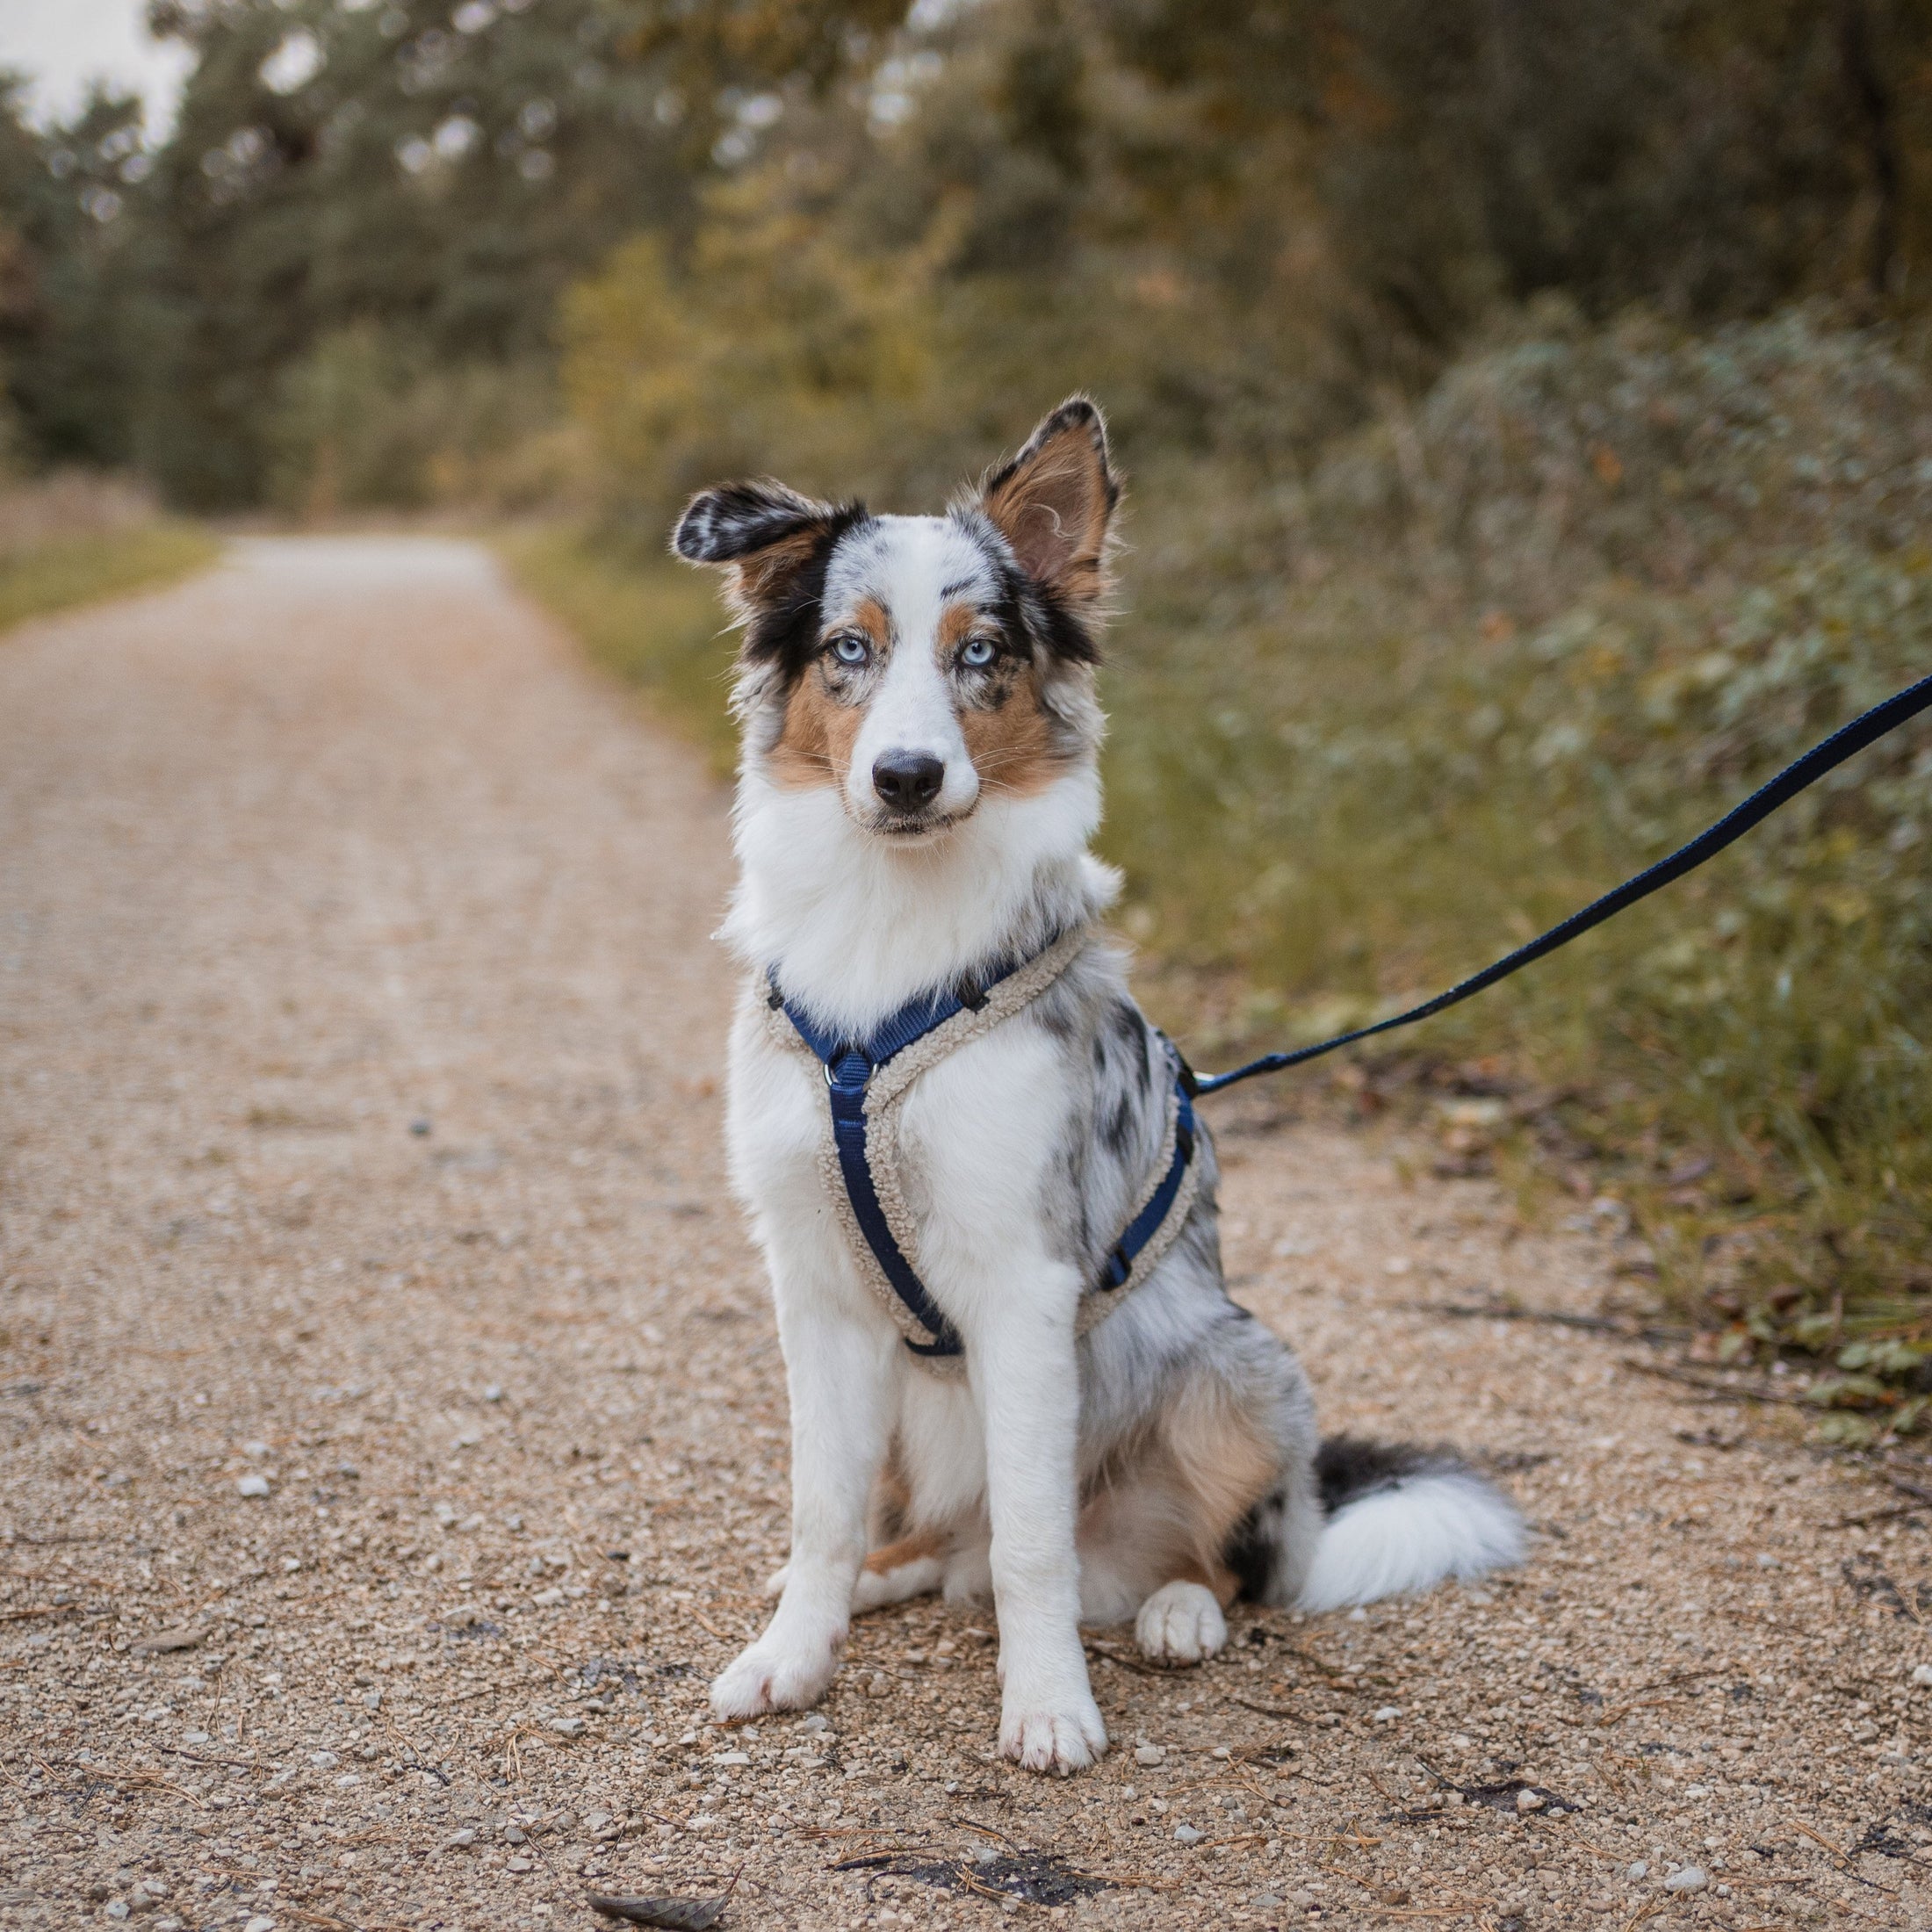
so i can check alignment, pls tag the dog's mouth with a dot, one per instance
(912, 828)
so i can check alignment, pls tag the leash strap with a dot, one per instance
(849, 1068)
(1844, 743)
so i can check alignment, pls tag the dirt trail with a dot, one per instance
(358, 1143)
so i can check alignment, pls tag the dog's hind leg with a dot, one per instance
(1155, 1533)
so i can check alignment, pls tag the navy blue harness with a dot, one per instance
(849, 1066)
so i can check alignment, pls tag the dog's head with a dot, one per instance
(918, 664)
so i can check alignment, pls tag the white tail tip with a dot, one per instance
(1409, 1537)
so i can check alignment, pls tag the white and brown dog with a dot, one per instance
(1090, 1442)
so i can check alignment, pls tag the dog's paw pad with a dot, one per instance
(768, 1678)
(1061, 1741)
(1180, 1623)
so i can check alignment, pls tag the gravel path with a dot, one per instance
(393, 1428)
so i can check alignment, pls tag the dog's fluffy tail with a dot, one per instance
(1400, 1520)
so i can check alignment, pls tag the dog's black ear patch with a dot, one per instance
(735, 521)
(775, 543)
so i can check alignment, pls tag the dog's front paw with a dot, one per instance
(1063, 1736)
(775, 1676)
(1180, 1623)
(774, 1585)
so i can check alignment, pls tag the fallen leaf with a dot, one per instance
(674, 1915)
(178, 1637)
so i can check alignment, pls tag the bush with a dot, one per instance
(367, 420)
(1526, 638)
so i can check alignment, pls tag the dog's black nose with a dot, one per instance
(907, 780)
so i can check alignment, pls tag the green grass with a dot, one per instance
(64, 571)
(655, 624)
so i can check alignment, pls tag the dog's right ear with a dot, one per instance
(737, 521)
(774, 543)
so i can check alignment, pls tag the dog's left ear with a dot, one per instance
(1054, 501)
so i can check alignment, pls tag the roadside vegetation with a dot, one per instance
(74, 539)
(653, 624)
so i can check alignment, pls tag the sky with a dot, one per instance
(61, 45)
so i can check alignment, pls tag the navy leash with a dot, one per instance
(1844, 743)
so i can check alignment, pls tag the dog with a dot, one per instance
(918, 790)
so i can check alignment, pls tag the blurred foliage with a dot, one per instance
(655, 626)
(367, 420)
(436, 172)
(1520, 641)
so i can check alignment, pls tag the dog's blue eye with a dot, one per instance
(850, 650)
(978, 654)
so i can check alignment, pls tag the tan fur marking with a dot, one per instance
(891, 1503)
(908, 1549)
(753, 578)
(1222, 1457)
(815, 745)
(870, 616)
(1012, 747)
(957, 623)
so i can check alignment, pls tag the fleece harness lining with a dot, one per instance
(867, 1081)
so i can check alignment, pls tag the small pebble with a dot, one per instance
(117, 1908)
(733, 1757)
(466, 1836)
(1640, 1870)
(520, 1864)
(418, 1128)
(1388, 1714)
(260, 1922)
(574, 1727)
(252, 1485)
(1921, 1672)
(1529, 1801)
(324, 1760)
(1148, 1753)
(1185, 1835)
(1686, 1879)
